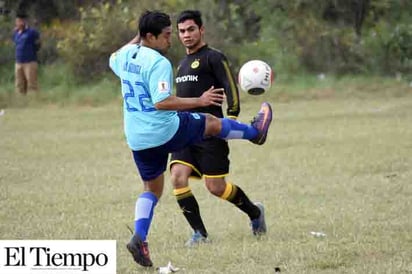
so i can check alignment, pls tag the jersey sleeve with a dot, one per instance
(161, 81)
(118, 58)
(114, 62)
(224, 75)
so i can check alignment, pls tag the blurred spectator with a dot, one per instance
(27, 42)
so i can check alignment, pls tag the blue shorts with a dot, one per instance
(152, 162)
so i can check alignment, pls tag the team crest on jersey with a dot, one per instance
(195, 64)
(163, 86)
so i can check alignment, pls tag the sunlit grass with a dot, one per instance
(341, 166)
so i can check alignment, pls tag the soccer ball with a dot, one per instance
(255, 77)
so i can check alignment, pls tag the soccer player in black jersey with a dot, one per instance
(202, 68)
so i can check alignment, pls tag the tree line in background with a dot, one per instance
(294, 36)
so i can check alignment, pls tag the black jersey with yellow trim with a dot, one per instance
(207, 67)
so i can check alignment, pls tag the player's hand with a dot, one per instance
(136, 39)
(212, 96)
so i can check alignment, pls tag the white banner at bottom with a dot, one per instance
(57, 256)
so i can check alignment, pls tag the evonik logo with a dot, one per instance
(187, 78)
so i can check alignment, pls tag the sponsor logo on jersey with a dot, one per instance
(163, 86)
(195, 64)
(187, 78)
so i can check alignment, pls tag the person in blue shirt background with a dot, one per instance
(155, 122)
(27, 43)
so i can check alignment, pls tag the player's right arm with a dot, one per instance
(116, 60)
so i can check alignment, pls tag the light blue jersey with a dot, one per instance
(147, 78)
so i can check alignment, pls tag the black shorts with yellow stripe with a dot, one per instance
(209, 158)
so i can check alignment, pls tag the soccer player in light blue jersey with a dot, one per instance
(155, 122)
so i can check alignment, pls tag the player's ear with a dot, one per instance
(150, 37)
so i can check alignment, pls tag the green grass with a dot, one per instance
(58, 86)
(341, 165)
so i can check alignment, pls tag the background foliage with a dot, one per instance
(296, 36)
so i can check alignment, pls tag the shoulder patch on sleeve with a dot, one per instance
(163, 86)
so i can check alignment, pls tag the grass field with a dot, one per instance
(341, 166)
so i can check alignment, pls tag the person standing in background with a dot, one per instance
(27, 43)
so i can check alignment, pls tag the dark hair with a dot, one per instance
(21, 15)
(153, 22)
(194, 15)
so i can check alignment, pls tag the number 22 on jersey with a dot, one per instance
(136, 96)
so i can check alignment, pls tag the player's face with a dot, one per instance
(190, 34)
(163, 41)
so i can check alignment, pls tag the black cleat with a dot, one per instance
(139, 251)
(259, 224)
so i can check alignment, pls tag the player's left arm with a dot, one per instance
(161, 86)
(224, 76)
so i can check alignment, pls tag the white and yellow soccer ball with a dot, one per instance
(255, 77)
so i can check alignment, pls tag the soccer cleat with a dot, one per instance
(262, 122)
(140, 251)
(197, 239)
(259, 224)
